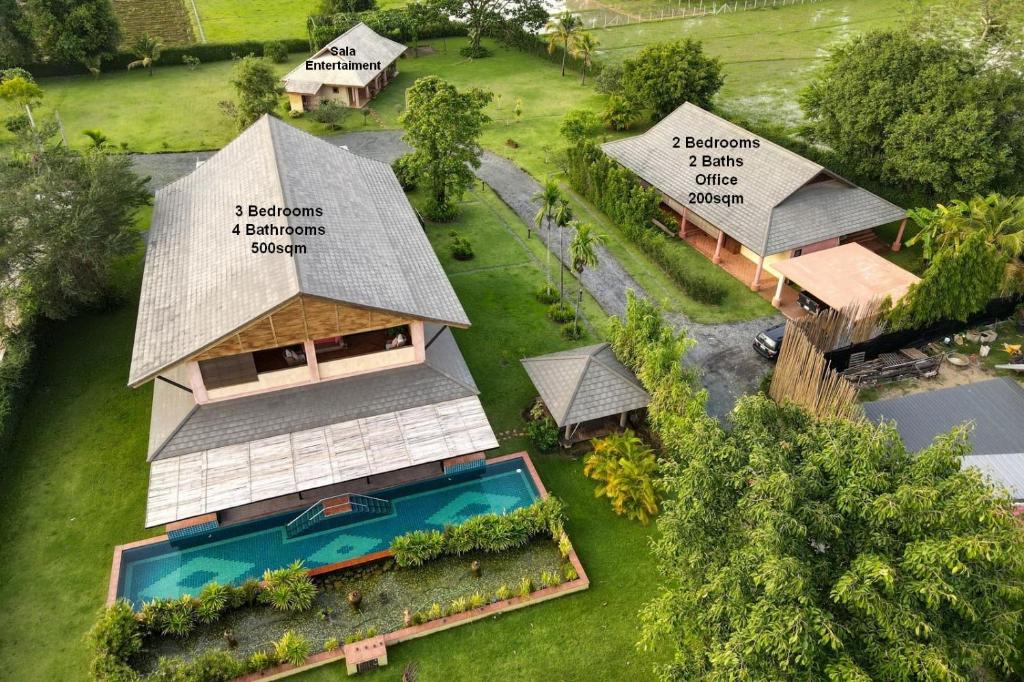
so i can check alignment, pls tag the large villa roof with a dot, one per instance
(206, 458)
(995, 409)
(788, 201)
(368, 46)
(203, 283)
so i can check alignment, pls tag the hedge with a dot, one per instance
(390, 23)
(170, 56)
(16, 373)
(616, 191)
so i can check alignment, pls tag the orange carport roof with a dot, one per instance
(847, 275)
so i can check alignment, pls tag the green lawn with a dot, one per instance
(75, 485)
(768, 54)
(230, 21)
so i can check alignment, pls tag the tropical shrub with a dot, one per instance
(458, 605)
(502, 593)
(213, 599)
(405, 174)
(486, 532)
(329, 114)
(626, 468)
(632, 207)
(292, 648)
(551, 578)
(476, 600)
(288, 589)
(179, 616)
(619, 113)
(569, 572)
(525, 587)
(191, 62)
(547, 294)
(572, 331)
(418, 547)
(460, 248)
(578, 124)
(331, 643)
(276, 52)
(561, 312)
(543, 433)
(214, 665)
(114, 639)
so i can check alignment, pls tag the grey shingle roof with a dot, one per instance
(202, 282)
(780, 210)
(996, 408)
(584, 383)
(443, 376)
(369, 46)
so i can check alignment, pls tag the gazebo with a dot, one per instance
(587, 390)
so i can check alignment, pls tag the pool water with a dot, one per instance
(235, 553)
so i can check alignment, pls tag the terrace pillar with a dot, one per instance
(755, 285)
(314, 367)
(682, 222)
(195, 380)
(717, 258)
(417, 340)
(622, 420)
(899, 235)
(777, 298)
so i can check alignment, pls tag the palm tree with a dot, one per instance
(583, 254)
(583, 47)
(147, 50)
(561, 31)
(97, 140)
(563, 216)
(548, 198)
(626, 468)
(999, 218)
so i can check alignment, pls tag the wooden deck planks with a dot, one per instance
(222, 478)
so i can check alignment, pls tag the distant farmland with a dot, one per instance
(167, 20)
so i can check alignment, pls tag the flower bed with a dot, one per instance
(290, 620)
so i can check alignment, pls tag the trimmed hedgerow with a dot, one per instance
(487, 533)
(16, 372)
(616, 191)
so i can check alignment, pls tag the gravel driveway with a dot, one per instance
(729, 367)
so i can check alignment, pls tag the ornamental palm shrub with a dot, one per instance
(213, 599)
(260, 661)
(179, 618)
(114, 639)
(626, 469)
(292, 648)
(417, 548)
(289, 588)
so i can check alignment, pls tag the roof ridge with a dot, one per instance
(576, 390)
(472, 388)
(272, 122)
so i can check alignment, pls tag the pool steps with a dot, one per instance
(329, 507)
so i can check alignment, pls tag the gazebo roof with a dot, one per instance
(585, 383)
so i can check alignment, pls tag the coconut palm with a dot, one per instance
(548, 198)
(1000, 218)
(583, 255)
(583, 47)
(563, 216)
(626, 468)
(147, 50)
(561, 31)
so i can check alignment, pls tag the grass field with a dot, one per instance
(75, 483)
(229, 21)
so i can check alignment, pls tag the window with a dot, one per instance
(336, 90)
(229, 371)
(284, 357)
(797, 252)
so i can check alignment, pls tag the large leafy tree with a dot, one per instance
(257, 90)
(443, 127)
(803, 550)
(16, 45)
(65, 219)
(71, 31)
(499, 17)
(922, 112)
(663, 76)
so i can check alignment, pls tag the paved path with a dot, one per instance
(729, 367)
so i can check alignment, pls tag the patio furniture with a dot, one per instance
(330, 343)
(1017, 367)
(396, 342)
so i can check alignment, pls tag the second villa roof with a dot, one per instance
(203, 282)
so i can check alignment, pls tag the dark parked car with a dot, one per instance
(768, 342)
(811, 303)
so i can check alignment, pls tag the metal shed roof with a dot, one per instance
(996, 408)
(788, 201)
(847, 275)
(585, 383)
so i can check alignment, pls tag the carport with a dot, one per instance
(845, 275)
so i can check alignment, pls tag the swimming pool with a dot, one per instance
(234, 553)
